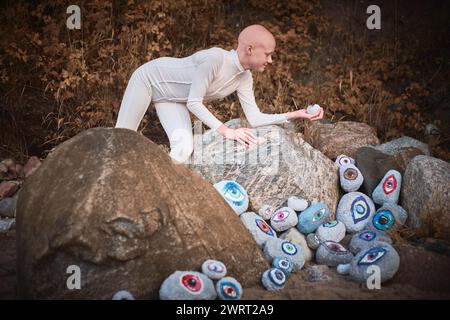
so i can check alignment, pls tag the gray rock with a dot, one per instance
(283, 219)
(273, 279)
(350, 178)
(269, 171)
(283, 248)
(310, 219)
(317, 273)
(284, 264)
(123, 295)
(234, 194)
(313, 241)
(343, 160)
(426, 196)
(7, 224)
(390, 215)
(258, 228)
(8, 207)
(355, 210)
(332, 253)
(365, 238)
(187, 285)
(297, 203)
(266, 212)
(380, 254)
(229, 288)
(395, 146)
(293, 235)
(388, 190)
(331, 231)
(214, 269)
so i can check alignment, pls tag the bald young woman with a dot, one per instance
(179, 85)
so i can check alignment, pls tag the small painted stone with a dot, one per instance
(297, 204)
(331, 253)
(350, 178)
(187, 285)
(234, 194)
(295, 236)
(365, 238)
(122, 295)
(283, 248)
(380, 254)
(313, 109)
(313, 241)
(273, 279)
(331, 231)
(283, 219)
(214, 269)
(388, 190)
(355, 210)
(229, 288)
(266, 212)
(284, 264)
(388, 216)
(258, 228)
(311, 218)
(343, 160)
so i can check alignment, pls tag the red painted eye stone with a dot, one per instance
(192, 282)
(390, 184)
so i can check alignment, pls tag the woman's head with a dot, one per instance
(255, 47)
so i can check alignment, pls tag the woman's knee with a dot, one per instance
(181, 145)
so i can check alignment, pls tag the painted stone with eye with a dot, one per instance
(273, 279)
(284, 264)
(229, 288)
(390, 215)
(297, 204)
(311, 218)
(355, 210)
(388, 190)
(350, 177)
(234, 194)
(343, 160)
(260, 230)
(283, 219)
(266, 212)
(283, 248)
(187, 285)
(333, 231)
(380, 254)
(123, 295)
(214, 269)
(366, 238)
(332, 253)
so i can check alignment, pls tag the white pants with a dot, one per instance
(174, 117)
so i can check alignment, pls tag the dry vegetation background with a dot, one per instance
(55, 82)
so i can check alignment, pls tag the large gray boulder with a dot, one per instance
(281, 166)
(111, 202)
(425, 195)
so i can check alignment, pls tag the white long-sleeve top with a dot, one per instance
(206, 75)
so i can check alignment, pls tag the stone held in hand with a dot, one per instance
(266, 212)
(187, 285)
(283, 219)
(283, 248)
(313, 109)
(260, 230)
(234, 194)
(350, 177)
(214, 269)
(122, 295)
(273, 279)
(389, 216)
(355, 210)
(229, 288)
(331, 231)
(297, 204)
(343, 160)
(380, 254)
(311, 218)
(365, 238)
(332, 253)
(388, 190)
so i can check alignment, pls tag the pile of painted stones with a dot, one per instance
(356, 215)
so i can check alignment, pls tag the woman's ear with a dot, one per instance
(249, 50)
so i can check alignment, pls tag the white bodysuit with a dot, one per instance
(177, 85)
